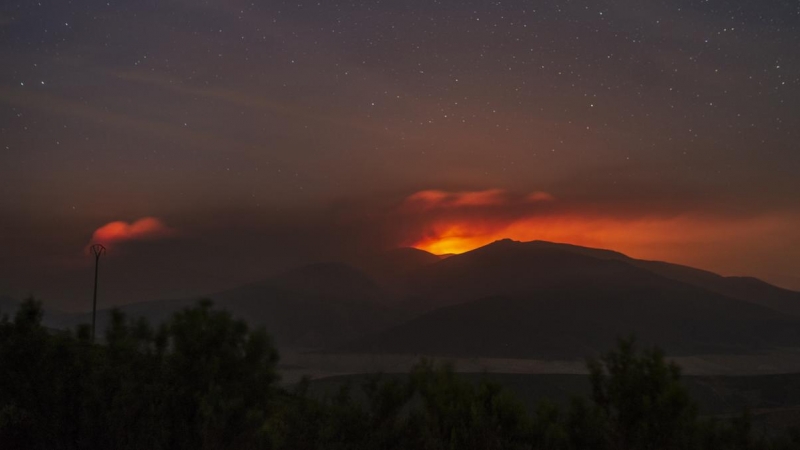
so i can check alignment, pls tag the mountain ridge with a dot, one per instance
(741, 287)
(339, 306)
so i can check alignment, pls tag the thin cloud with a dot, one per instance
(144, 229)
(444, 200)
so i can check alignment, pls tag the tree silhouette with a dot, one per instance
(204, 380)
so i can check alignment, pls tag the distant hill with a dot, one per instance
(309, 307)
(313, 306)
(52, 319)
(743, 288)
(540, 300)
(573, 323)
(509, 268)
(335, 280)
(389, 266)
(507, 299)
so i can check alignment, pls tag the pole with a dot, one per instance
(98, 250)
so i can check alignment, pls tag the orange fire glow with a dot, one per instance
(465, 236)
(457, 222)
(657, 238)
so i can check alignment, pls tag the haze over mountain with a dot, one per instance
(308, 307)
(743, 288)
(386, 267)
(508, 299)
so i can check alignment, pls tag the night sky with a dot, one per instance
(254, 135)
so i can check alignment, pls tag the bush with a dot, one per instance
(206, 381)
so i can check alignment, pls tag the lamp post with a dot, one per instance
(97, 250)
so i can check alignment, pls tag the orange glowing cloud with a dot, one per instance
(647, 237)
(432, 199)
(450, 227)
(145, 229)
(539, 197)
(455, 222)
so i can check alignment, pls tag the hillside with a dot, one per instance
(508, 299)
(308, 307)
(578, 322)
(742, 288)
(540, 300)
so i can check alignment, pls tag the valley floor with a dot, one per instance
(296, 364)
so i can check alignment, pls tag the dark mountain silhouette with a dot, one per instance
(387, 267)
(334, 280)
(312, 306)
(507, 299)
(577, 322)
(543, 300)
(308, 307)
(509, 268)
(742, 288)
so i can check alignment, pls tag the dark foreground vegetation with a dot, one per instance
(206, 381)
